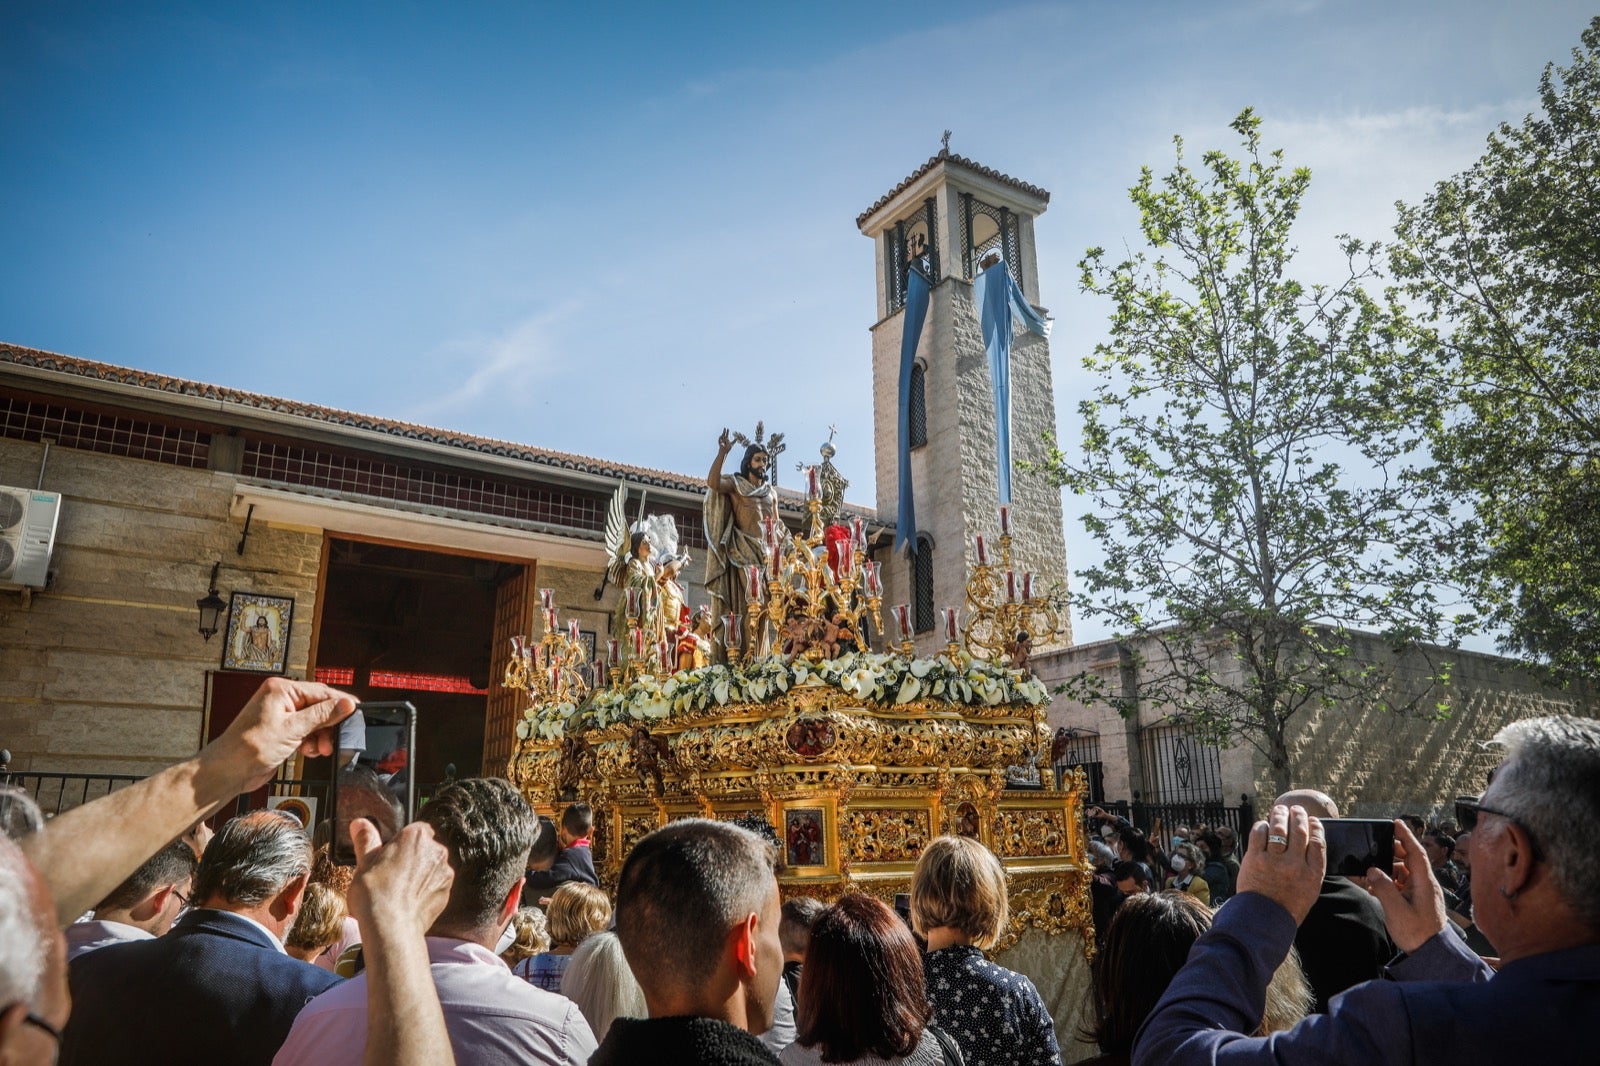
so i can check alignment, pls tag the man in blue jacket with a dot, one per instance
(1535, 893)
(218, 987)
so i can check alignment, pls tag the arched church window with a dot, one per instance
(919, 407)
(922, 582)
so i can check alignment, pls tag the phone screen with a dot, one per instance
(1357, 844)
(374, 775)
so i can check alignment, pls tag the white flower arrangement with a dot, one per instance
(874, 679)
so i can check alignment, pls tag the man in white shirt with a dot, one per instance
(492, 1016)
(142, 907)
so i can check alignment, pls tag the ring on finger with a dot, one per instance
(1276, 839)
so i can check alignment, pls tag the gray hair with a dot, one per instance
(599, 980)
(252, 859)
(1550, 782)
(24, 947)
(20, 816)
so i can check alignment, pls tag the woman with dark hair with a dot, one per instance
(862, 998)
(1149, 939)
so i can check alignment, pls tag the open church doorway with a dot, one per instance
(399, 622)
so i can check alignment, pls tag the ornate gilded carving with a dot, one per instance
(1029, 832)
(884, 834)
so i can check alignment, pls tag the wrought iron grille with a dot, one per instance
(1179, 767)
(1081, 751)
(923, 582)
(919, 407)
(916, 237)
(982, 227)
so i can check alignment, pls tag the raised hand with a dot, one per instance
(283, 717)
(1286, 860)
(1413, 902)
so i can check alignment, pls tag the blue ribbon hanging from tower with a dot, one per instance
(917, 288)
(1000, 304)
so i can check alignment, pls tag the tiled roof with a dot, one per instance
(85, 368)
(66, 364)
(948, 156)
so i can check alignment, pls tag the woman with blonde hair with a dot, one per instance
(576, 911)
(599, 981)
(527, 936)
(1187, 866)
(319, 925)
(959, 906)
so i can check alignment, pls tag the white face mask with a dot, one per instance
(507, 938)
(1179, 864)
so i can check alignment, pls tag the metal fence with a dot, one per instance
(56, 791)
(1170, 816)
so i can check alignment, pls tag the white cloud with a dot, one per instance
(510, 363)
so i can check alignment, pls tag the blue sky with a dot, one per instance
(612, 229)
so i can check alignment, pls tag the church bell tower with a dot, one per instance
(948, 216)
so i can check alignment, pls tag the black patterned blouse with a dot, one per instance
(995, 1015)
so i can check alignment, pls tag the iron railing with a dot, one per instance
(56, 791)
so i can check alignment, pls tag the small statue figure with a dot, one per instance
(694, 644)
(1019, 651)
(673, 605)
(651, 755)
(796, 634)
(577, 762)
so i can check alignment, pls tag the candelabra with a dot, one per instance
(814, 592)
(1005, 617)
(550, 670)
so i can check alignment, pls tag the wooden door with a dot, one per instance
(513, 616)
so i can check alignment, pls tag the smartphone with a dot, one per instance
(1357, 844)
(374, 774)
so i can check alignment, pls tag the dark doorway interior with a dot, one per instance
(405, 624)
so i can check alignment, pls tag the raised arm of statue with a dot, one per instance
(715, 479)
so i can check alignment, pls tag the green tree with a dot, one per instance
(1503, 260)
(1245, 451)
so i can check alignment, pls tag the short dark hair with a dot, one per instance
(253, 858)
(861, 989)
(578, 819)
(1213, 843)
(682, 888)
(169, 866)
(794, 928)
(1444, 840)
(489, 830)
(1124, 870)
(546, 846)
(1147, 942)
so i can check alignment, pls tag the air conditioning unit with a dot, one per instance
(27, 535)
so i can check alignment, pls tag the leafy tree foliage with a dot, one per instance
(1504, 259)
(1245, 449)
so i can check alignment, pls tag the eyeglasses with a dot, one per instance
(183, 900)
(1481, 808)
(39, 1023)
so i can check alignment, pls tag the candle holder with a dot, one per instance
(1001, 604)
(550, 670)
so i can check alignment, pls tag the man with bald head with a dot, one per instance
(1343, 940)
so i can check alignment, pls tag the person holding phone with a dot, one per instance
(1536, 894)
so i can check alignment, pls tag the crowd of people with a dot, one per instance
(480, 934)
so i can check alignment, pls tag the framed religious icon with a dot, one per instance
(258, 633)
(805, 838)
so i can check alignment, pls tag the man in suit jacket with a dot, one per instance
(218, 987)
(1343, 940)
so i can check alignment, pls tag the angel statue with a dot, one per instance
(735, 507)
(630, 568)
(672, 610)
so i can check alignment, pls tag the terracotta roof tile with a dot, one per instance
(958, 160)
(85, 368)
